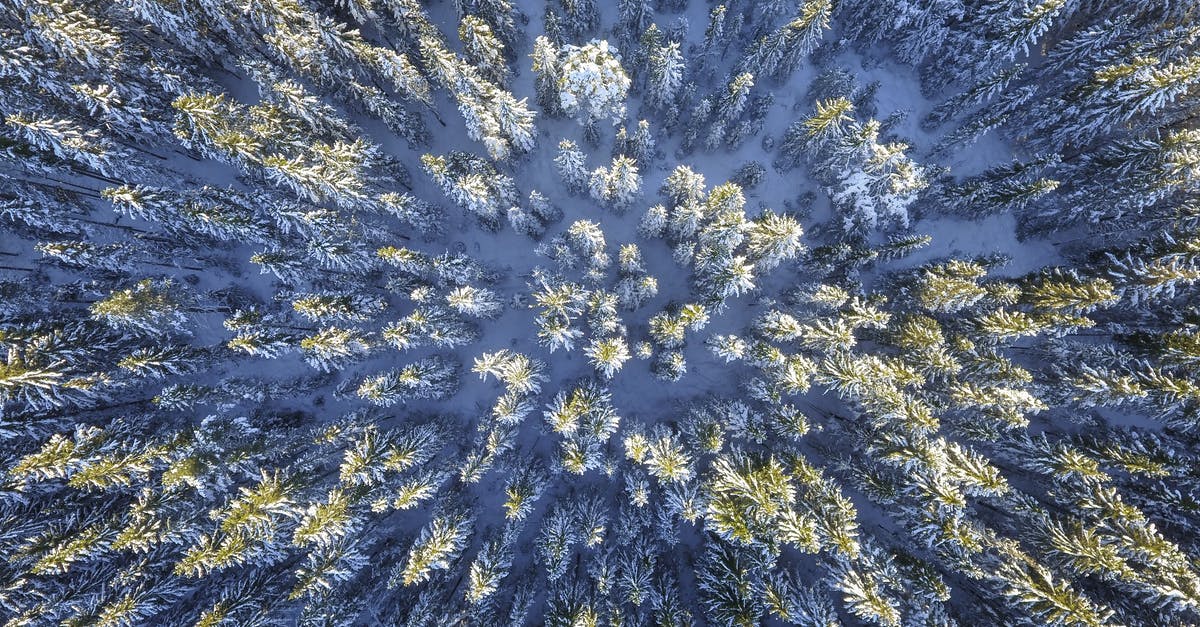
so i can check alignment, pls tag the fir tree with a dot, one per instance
(618, 185)
(592, 84)
(429, 378)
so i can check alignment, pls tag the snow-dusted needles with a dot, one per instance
(795, 312)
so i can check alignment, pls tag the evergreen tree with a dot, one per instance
(483, 48)
(156, 156)
(592, 84)
(428, 378)
(571, 166)
(440, 542)
(608, 355)
(664, 75)
(546, 67)
(149, 307)
(616, 186)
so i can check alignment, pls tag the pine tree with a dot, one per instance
(473, 184)
(556, 541)
(825, 126)
(1130, 176)
(488, 569)
(546, 67)
(1033, 587)
(730, 583)
(863, 597)
(781, 52)
(63, 139)
(472, 301)
(715, 34)
(1115, 94)
(592, 84)
(338, 307)
(483, 48)
(616, 186)
(580, 17)
(772, 239)
(664, 76)
(515, 120)
(640, 145)
(571, 166)
(1068, 292)
(440, 543)
(334, 348)
(428, 378)
(608, 355)
(149, 307)
(951, 286)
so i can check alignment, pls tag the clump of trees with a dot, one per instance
(235, 316)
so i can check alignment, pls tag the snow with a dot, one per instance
(639, 396)
(595, 86)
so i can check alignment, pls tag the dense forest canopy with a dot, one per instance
(569, 312)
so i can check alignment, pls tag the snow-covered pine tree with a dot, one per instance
(592, 85)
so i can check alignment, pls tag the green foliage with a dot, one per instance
(232, 313)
